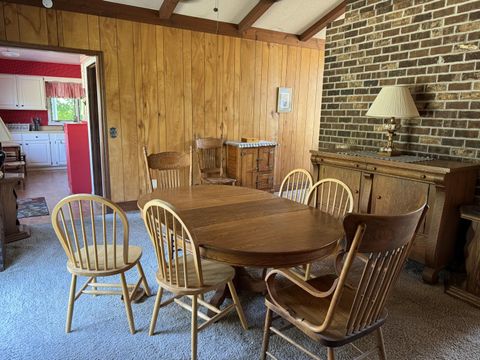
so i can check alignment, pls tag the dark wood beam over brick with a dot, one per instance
(167, 8)
(324, 21)
(254, 14)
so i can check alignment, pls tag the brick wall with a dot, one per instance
(432, 46)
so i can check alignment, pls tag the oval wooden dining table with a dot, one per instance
(245, 227)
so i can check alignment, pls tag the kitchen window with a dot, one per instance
(64, 110)
(65, 102)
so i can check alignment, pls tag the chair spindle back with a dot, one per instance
(170, 169)
(173, 245)
(331, 196)
(384, 242)
(296, 185)
(82, 225)
(210, 156)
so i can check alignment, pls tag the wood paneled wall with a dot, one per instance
(164, 86)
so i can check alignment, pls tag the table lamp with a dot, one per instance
(4, 136)
(394, 102)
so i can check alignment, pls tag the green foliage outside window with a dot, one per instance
(64, 109)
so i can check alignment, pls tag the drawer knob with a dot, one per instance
(374, 168)
(356, 191)
(379, 197)
(423, 176)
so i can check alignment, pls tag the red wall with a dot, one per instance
(20, 67)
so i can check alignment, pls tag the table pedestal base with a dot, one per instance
(243, 282)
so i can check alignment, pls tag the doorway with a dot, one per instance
(60, 133)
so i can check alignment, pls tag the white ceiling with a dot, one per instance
(41, 56)
(290, 16)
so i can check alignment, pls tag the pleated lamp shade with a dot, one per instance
(393, 102)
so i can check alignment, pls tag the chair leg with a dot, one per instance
(194, 327)
(381, 344)
(308, 269)
(144, 279)
(94, 279)
(127, 302)
(71, 301)
(266, 334)
(156, 307)
(331, 353)
(238, 305)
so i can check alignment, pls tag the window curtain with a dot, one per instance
(64, 90)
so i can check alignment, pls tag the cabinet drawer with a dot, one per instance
(16, 137)
(57, 137)
(35, 136)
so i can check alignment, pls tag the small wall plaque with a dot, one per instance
(284, 100)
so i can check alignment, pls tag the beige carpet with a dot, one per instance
(424, 322)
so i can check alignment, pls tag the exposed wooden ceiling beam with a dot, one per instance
(324, 21)
(254, 14)
(149, 16)
(167, 8)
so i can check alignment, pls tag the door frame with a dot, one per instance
(102, 96)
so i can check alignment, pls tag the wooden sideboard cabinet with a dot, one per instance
(393, 187)
(252, 166)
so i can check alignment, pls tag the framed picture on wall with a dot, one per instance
(284, 100)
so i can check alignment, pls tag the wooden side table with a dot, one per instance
(468, 289)
(10, 228)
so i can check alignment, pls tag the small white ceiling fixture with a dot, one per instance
(47, 3)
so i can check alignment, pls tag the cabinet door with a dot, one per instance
(264, 181)
(38, 153)
(248, 159)
(394, 196)
(31, 92)
(61, 153)
(350, 177)
(8, 92)
(266, 158)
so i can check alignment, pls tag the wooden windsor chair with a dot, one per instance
(95, 248)
(331, 196)
(182, 272)
(210, 161)
(296, 185)
(334, 310)
(168, 169)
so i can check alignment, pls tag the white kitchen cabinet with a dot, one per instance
(21, 92)
(38, 153)
(59, 153)
(42, 149)
(31, 92)
(8, 92)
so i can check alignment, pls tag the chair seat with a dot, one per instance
(219, 180)
(134, 255)
(300, 308)
(214, 274)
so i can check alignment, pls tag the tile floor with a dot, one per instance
(51, 184)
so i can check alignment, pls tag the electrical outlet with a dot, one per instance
(154, 183)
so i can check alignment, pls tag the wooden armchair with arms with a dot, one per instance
(182, 272)
(210, 161)
(97, 248)
(170, 169)
(334, 310)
